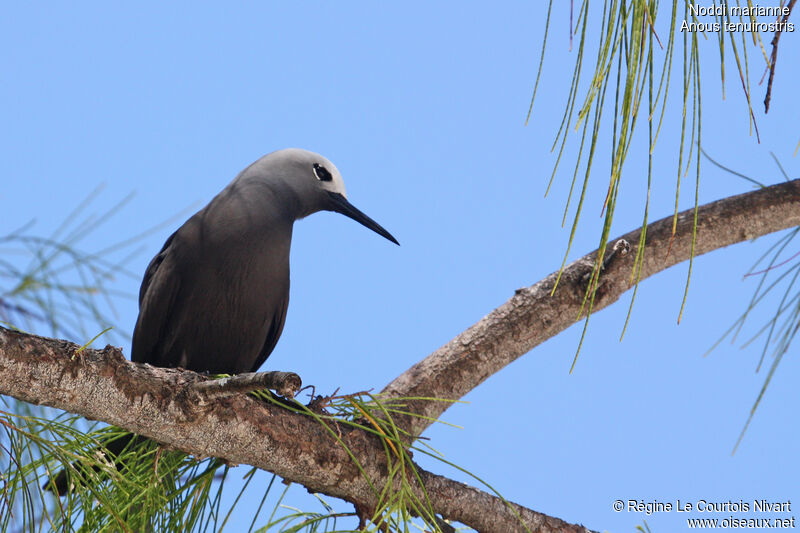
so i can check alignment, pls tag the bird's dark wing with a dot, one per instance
(152, 268)
(274, 333)
(156, 298)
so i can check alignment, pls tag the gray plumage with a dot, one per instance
(214, 299)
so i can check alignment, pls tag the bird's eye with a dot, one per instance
(322, 173)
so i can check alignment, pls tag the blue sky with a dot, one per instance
(422, 109)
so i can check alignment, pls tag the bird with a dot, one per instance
(214, 298)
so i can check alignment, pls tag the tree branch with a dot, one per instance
(533, 315)
(774, 57)
(165, 404)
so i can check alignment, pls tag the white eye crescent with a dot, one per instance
(322, 173)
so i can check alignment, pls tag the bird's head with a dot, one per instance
(316, 185)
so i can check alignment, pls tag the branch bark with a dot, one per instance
(533, 315)
(166, 404)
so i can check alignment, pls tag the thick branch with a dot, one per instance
(166, 405)
(484, 512)
(533, 315)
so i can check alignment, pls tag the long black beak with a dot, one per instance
(340, 204)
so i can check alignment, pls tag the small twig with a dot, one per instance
(319, 404)
(774, 57)
(284, 383)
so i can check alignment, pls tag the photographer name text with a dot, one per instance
(705, 506)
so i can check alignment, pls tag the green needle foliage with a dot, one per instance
(778, 285)
(635, 66)
(149, 488)
(399, 507)
(49, 282)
